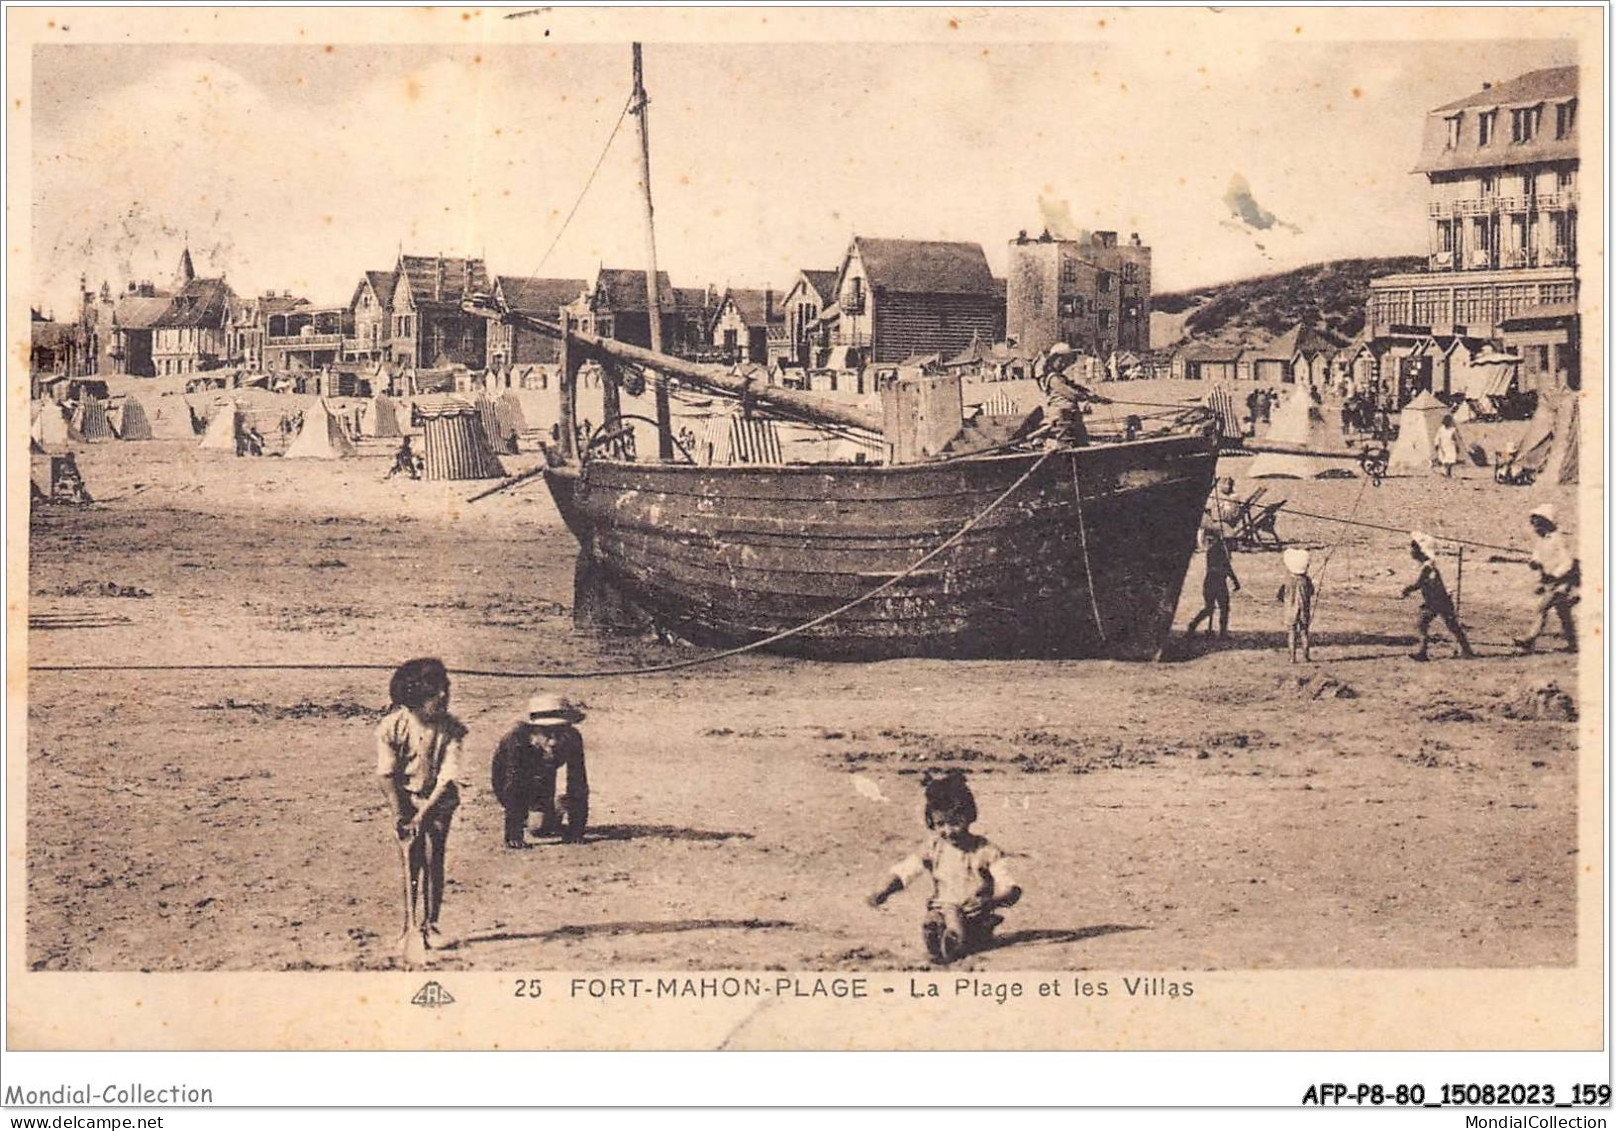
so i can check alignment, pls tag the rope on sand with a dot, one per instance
(651, 669)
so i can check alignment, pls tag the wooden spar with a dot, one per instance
(653, 298)
(571, 360)
(1278, 447)
(611, 391)
(714, 377)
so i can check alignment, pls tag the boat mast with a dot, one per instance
(664, 410)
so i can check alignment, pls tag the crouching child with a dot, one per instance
(970, 879)
(525, 766)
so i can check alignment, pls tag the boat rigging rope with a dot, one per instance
(599, 161)
(1514, 550)
(650, 669)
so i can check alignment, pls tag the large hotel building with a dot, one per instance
(1502, 224)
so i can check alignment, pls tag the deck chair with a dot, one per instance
(1262, 525)
(1238, 530)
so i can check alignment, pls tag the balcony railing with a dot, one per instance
(1481, 259)
(304, 341)
(1488, 205)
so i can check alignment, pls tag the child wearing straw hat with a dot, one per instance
(1297, 596)
(525, 766)
(1434, 599)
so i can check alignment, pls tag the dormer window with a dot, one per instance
(1523, 123)
(1486, 125)
(1453, 130)
(1565, 119)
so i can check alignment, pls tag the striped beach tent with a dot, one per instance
(131, 422)
(454, 443)
(732, 438)
(90, 418)
(498, 438)
(511, 417)
(1222, 406)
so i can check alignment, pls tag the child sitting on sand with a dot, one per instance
(1297, 596)
(968, 874)
(417, 762)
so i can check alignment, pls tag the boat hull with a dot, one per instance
(1086, 557)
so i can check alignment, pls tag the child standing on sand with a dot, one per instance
(417, 763)
(1297, 596)
(968, 874)
(1434, 599)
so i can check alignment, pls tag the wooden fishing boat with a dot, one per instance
(1084, 558)
(1039, 551)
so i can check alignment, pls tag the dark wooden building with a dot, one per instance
(541, 298)
(898, 298)
(615, 307)
(430, 328)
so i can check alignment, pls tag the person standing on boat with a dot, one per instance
(1064, 398)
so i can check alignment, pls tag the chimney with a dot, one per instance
(1486, 86)
(437, 289)
(768, 304)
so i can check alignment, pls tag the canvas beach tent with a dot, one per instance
(131, 421)
(1415, 450)
(171, 419)
(221, 433)
(381, 419)
(1551, 448)
(321, 437)
(1300, 422)
(1538, 439)
(52, 428)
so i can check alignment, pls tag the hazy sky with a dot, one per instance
(299, 167)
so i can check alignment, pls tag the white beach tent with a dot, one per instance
(1300, 422)
(322, 436)
(1415, 450)
(221, 433)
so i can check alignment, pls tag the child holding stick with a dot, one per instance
(417, 763)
